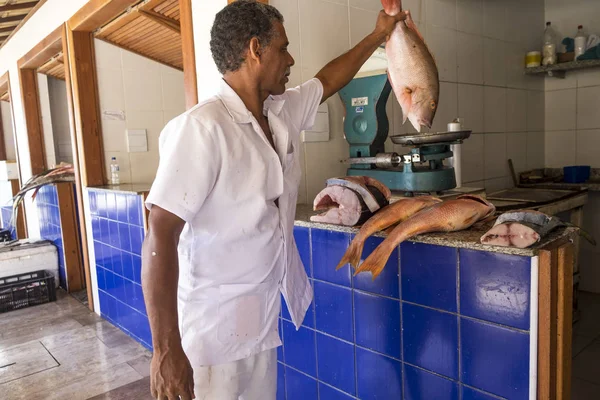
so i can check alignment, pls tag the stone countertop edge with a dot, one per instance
(135, 188)
(466, 239)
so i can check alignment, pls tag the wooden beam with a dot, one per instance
(97, 13)
(564, 321)
(33, 119)
(2, 140)
(21, 222)
(78, 182)
(189, 54)
(7, 29)
(43, 51)
(39, 4)
(70, 238)
(547, 284)
(84, 81)
(18, 6)
(12, 18)
(168, 23)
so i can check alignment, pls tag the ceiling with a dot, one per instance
(12, 14)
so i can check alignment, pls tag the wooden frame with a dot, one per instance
(14, 30)
(21, 228)
(555, 307)
(72, 237)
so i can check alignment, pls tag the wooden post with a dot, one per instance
(546, 325)
(2, 141)
(189, 54)
(564, 321)
(21, 227)
(70, 238)
(33, 119)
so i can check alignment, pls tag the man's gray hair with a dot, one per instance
(234, 27)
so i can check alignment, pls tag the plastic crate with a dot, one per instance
(28, 289)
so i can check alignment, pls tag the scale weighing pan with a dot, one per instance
(430, 138)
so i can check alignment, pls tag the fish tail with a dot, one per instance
(353, 253)
(376, 261)
(392, 7)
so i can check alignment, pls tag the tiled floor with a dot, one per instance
(586, 349)
(62, 351)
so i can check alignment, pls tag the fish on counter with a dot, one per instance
(412, 70)
(392, 214)
(449, 216)
(522, 229)
(350, 200)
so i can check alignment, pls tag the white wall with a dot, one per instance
(7, 127)
(49, 16)
(573, 121)
(46, 114)
(59, 107)
(148, 95)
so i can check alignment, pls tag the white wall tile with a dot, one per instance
(560, 148)
(569, 82)
(110, 88)
(535, 111)
(516, 110)
(470, 58)
(362, 23)
(142, 90)
(7, 124)
(535, 150)
(588, 101)
(369, 5)
(495, 155)
(289, 10)
(470, 106)
(416, 8)
(496, 184)
(588, 147)
(494, 19)
(168, 115)
(114, 136)
(143, 166)
(494, 62)
(134, 62)
(494, 109)
(107, 55)
(442, 44)
(469, 16)
(448, 109)
(318, 19)
(152, 121)
(515, 64)
(516, 21)
(472, 158)
(560, 110)
(441, 13)
(173, 89)
(124, 165)
(585, 77)
(516, 150)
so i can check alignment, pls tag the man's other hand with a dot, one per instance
(171, 375)
(386, 23)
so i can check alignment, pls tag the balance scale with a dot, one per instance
(366, 128)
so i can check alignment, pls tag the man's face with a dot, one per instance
(276, 63)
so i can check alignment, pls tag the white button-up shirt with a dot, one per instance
(219, 173)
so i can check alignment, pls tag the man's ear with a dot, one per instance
(255, 50)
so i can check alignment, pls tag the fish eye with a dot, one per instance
(432, 105)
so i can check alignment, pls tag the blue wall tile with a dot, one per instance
(328, 248)
(280, 382)
(101, 202)
(309, 318)
(300, 349)
(472, 394)
(121, 199)
(336, 363)
(280, 355)
(136, 234)
(430, 339)
(137, 268)
(299, 386)
(111, 206)
(104, 231)
(333, 310)
(113, 227)
(377, 322)
(495, 359)
(387, 284)
(127, 265)
(378, 377)
(134, 207)
(302, 238)
(422, 385)
(328, 393)
(125, 242)
(495, 287)
(93, 202)
(117, 262)
(429, 275)
(101, 278)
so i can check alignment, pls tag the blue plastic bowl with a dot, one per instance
(577, 173)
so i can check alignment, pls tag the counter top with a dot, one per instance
(136, 188)
(467, 239)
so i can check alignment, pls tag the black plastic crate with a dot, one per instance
(24, 290)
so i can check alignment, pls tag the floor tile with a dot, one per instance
(586, 364)
(584, 390)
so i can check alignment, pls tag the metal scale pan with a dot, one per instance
(421, 139)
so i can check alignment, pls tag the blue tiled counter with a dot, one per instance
(440, 322)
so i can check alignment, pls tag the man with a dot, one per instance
(220, 246)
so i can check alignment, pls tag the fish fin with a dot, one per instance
(415, 122)
(352, 255)
(405, 101)
(376, 261)
(410, 24)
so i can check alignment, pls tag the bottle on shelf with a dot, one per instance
(114, 171)
(549, 48)
(580, 42)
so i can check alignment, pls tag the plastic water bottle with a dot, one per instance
(580, 42)
(549, 49)
(114, 171)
